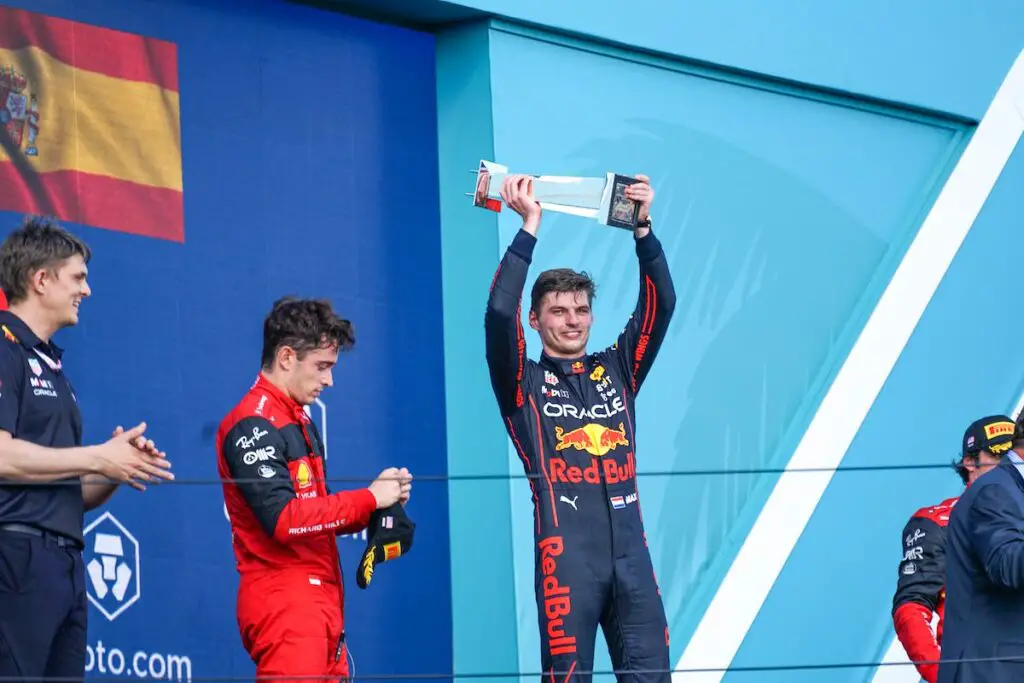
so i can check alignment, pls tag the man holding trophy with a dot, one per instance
(571, 417)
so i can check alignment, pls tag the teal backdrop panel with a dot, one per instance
(484, 626)
(947, 56)
(951, 372)
(783, 214)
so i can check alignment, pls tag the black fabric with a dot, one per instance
(38, 405)
(43, 608)
(389, 536)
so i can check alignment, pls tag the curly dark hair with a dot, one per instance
(40, 243)
(958, 465)
(561, 280)
(304, 325)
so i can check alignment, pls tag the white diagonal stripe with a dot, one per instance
(901, 670)
(794, 498)
(1020, 401)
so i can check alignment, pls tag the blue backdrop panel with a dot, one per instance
(783, 215)
(848, 555)
(297, 125)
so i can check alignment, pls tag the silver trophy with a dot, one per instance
(602, 199)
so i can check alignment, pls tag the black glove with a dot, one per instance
(389, 536)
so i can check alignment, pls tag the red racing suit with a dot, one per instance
(920, 588)
(283, 522)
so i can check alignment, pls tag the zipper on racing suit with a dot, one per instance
(340, 575)
(577, 384)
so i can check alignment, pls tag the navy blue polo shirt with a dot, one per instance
(37, 404)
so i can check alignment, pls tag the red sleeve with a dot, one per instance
(913, 628)
(254, 453)
(344, 512)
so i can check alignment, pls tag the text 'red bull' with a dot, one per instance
(557, 602)
(613, 472)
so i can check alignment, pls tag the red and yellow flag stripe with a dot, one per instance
(92, 123)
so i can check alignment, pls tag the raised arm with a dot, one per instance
(921, 579)
(266, 485)
(639, 342)
(503, 326)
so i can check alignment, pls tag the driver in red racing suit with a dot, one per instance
(920, 593)
(570, 416)
(284, 519)
(921, 587)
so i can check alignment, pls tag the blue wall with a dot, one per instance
(947, 56)
(793, 168)
(945, 378)
(483, 605)
(785, 208)
(296, 125)
(752, 210)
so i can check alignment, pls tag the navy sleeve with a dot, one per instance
(639, 342)
(922, 571)
(995, 525)
(12, 377)
(503, 327)
(255, 454)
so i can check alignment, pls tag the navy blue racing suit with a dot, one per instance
(572, 423)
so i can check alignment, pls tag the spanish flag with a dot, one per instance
(89, 126)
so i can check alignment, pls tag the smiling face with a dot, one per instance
(44, 274)
(560, 311)
(563, 323)
(61, 290)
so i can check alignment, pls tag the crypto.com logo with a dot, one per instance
(111, 566)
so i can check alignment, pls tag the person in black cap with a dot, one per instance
(984, 443)
(389, 537)
(921, 580)
(985, 562)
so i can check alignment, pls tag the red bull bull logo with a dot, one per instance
(614, 473)
(557, 602)
(593, 438)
